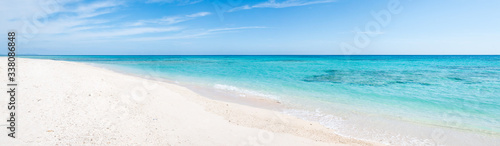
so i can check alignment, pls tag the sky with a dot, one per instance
(259, 27)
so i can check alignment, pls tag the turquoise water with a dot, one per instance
(456, 92)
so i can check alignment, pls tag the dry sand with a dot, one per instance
(63, 103)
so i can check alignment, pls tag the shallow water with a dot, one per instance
(356, 95)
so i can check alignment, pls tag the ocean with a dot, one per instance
(431, 100)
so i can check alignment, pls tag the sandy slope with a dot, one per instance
(74, 103)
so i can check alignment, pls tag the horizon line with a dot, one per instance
(266, 55)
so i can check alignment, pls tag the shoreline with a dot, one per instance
(166, 115)
(210, 93)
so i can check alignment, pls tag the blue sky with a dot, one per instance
(218, 27)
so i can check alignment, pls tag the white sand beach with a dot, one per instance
(69, 103)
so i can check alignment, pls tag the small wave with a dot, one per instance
(345, 128)
(243, 92)
(327, 120)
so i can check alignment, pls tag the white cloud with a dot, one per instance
(196, 34)
(93, 7)
(168, 20)
(181, 2)
(284, 4)
(200, 14)
(73, 21)
(124, 32)
(54, 17)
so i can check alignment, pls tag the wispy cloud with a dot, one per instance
(94, 9)
(181, 2)
(128, 32)
(196, 34)
(168, 20)
(369, 32)
(80, 17)
(200, 14)
(284, 4)
(76, 21)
